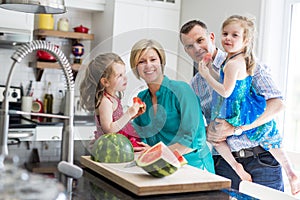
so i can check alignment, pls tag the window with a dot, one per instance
(291, 124)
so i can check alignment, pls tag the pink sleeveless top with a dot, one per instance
(127, 130)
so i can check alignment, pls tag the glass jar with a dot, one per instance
(63, 24)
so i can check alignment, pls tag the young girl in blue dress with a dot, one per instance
(235, 100)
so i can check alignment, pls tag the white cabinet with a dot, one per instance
(127, 21)
(48, 133)
(17, 22)
(54, 133)
(89, 5)
(84, 132)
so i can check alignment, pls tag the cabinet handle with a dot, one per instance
(55, 138)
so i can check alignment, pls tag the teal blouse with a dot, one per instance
(178, 120)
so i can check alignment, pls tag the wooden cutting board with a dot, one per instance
(139, 182)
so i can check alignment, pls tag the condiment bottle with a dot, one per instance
(48, 101)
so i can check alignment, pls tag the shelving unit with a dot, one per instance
(42, 34)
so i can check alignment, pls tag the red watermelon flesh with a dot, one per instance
(160, 150)
(159, 161)
(180, 158)
(207, 58)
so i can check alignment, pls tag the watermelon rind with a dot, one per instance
(112, 148)
(165, 165)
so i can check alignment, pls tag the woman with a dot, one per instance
(173, 114)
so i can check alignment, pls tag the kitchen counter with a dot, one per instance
(94, 186)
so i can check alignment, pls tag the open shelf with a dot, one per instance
(41, 33)
(40, 66)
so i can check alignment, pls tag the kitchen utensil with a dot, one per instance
(81, 29)
(131, 164)
(46, 21)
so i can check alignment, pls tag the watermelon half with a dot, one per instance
(159, 161)
(112, 148)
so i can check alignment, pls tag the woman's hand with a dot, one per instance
(143, 147)
(218, 131)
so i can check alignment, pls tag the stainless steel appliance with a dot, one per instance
(14, 93)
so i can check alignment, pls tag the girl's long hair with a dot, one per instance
(249, 34)
(91, 89)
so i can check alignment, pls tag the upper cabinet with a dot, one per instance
(127, 21)
(15, 27)
(89, 5)
(16, 21)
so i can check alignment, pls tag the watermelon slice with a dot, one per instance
(207, 58)
(159, 161)
(139, 101)
(180, 158)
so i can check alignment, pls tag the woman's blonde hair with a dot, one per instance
(139, 48)
(249, 34)
(91, 89)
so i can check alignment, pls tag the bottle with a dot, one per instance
(48, 102)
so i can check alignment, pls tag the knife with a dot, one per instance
(131, 164)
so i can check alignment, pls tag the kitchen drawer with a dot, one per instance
(84, 132)
(48, 133)
(54, 133)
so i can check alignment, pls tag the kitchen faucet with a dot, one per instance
(67, 142)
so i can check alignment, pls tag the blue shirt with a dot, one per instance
(178, 119)
(262, 82)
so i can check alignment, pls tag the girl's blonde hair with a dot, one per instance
(91, 89)
(249, 34)
(139, 47)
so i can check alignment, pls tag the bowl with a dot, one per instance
(81, 29)
(45, 56)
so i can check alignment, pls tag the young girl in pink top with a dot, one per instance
(101, 91)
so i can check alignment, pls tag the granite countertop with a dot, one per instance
(94, 186)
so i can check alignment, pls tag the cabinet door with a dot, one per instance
(84, 132)
(48, 133)
(166, 22)
(129, 16)
(17, 21)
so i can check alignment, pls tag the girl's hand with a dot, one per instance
(203, 69)
(142, 106)
(134, 109)
(204, 65)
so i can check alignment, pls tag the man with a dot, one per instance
(262, 166)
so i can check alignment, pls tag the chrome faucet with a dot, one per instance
(67, 142)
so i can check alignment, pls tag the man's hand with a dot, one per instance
(218, 131)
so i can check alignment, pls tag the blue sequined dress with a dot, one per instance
(244, 106)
